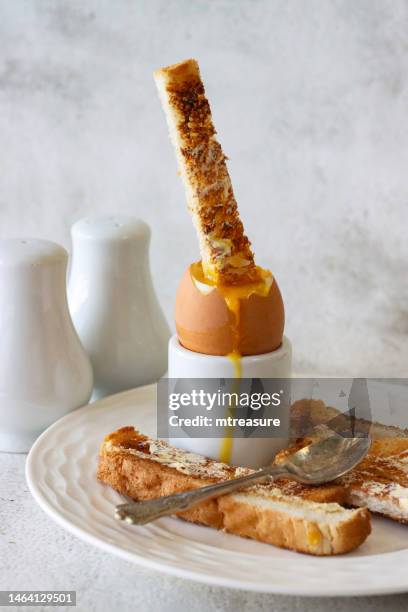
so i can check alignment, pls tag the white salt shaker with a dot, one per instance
(44, 370)
(113, 303)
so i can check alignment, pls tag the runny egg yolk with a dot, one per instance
(233, 295)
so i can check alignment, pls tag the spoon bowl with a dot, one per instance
(327, 459)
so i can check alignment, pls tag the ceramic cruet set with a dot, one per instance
(59, 346)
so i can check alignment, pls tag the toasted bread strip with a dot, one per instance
(225, 250)
(283, 514)
(306, 414)
(380, 481)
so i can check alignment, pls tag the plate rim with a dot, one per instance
(179, 571)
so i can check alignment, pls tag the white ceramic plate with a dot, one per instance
(61, 475)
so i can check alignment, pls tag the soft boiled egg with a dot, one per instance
(217, 319)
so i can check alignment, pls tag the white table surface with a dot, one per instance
(37, 554)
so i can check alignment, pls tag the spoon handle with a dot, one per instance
(140, 513)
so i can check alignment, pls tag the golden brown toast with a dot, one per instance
(286, 514)
(380, 481)
(225, 250)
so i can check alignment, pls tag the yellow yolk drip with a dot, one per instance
(235, 359)
(233, 294)
(227, 441)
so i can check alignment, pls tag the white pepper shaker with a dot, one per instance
(113, 303)
(44, 370)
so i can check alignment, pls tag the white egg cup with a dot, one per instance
(253, 452)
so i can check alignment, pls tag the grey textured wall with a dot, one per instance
(310, 100)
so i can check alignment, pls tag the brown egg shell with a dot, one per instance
(205, 324)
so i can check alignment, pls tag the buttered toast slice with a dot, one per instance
(225, 250)
(380, 481)
(286, 514)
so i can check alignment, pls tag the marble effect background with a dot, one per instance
(310, 101)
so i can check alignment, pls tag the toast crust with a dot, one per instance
(225, 250)
(285, 513)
